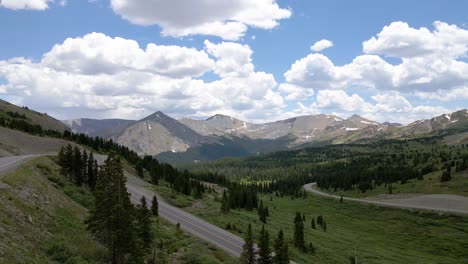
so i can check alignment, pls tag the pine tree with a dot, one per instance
(299, 232)
(248, 251)
(313, 223)
(281, 250)
(77, 166)
(67, 162)
(91, 179)
(224, 203)
(311, 248)
(264, 251)
(111, 218)
(144, 224)
(84, 167)
(261, 212)
(155, 206)
(61, 156)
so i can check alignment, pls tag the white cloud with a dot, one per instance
(327, 99)
(460, 93)
(321, 45)
(102, 77)
(388, 106)
(97, 53)
(224, 18)
(25, 4)
(430, 61)
(391, 102)
(294, 92)
(400, 40)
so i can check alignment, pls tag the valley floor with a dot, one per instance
(374, 234)
(448, 203)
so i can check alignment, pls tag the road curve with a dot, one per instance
(9, 163)
(138, 188)
(189, 223)
(400, 203)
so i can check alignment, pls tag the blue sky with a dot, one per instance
(29, 32)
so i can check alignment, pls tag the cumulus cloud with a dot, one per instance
(341, 100)
(386, 106)
(321, 45)
(25, 4)
(97, 53)
(224, 18)
(400, 40)
(430, 61)
(100, 76)
(460, 93)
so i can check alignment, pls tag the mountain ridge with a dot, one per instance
(218, 136)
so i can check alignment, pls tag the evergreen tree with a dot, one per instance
(248, 251)
(224, 203)
(144, 224)
(445, 176)
(281, 250)
(67, 162)
(264, 251)
(312, 222)
(84, 167)
(155, 206)
(311, 248)
(61, 156)
(139, 169)
(299, 232)
(262, 212)
(77, 169)
(111, 218)
(92, 175)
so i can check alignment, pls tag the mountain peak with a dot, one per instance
(157, 116)
(219, 116)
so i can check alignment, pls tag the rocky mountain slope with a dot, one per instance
(222, 136)
(104, 128)
(160, 133)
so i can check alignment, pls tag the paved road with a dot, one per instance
(8, 164)
(138, 188)
(436, 202)
(208, 232)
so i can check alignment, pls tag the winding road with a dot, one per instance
(138, 188)
(444, 203)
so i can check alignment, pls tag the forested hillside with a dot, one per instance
(346, 167)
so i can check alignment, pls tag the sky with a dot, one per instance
(259, 61)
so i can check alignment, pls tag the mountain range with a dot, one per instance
(189, 140)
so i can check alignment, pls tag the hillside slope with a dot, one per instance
(8, 110)
(104, 128)
(159, 133)
(14, 142)
(37, 220)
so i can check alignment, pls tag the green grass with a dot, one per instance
(429, 185)
(42, 221)
(178, 247)
(171, 196)
(374, 234)
(38, 223)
